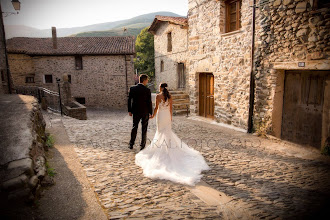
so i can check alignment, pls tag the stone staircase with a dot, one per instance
(181, 102)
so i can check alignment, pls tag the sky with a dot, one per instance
(43, 14)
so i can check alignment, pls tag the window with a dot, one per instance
(233, 15)
(48, 78)
(181, 76)
(81, 100)
(29, 79)
(2, 75)
(161, 66)
(169, 42)
(69, 78)
(79, 64)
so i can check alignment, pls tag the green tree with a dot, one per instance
(145, 60)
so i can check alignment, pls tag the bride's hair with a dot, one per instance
(166, 94)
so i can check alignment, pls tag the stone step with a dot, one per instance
(177, 92)
(181, 101)
(180, 112)
(179, 96)
(180, 106)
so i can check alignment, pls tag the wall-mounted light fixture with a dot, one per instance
(16, 4)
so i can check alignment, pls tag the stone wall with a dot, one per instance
(75, 110)
(3, 66)
(102, 81)
(22, 155)
(225, 55)
(288, 32)
(170, 59)
(21, 66)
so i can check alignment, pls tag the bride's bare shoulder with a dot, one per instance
(158, 97)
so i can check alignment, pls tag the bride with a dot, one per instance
(167, 157)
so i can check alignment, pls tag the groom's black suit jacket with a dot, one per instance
(141, 97)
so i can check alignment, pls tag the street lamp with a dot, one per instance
(16, 4)
(59, 93)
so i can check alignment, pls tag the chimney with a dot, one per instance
(54, 37)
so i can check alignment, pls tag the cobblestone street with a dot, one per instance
(263, 178)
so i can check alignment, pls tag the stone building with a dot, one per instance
(171, 60)
(100, 69)
(170, 43)
(4, 83)
(293, 70)
(219, 60)
(290, 66)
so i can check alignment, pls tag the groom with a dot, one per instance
(140, 108)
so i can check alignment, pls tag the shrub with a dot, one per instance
(326, 149)
(50, 141)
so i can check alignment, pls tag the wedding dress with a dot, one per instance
(167, 157)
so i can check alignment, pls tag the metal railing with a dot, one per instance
(45, 96)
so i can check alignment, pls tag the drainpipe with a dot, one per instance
(252, 79)
(126, 75)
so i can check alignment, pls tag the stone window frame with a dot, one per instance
(238, 15)
(78, 62)
(29, 79)
(45, 80)
(169, 42)
(161, 66)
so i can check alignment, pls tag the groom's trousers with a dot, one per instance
(136, 121)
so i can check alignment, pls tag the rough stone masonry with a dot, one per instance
(22, 158)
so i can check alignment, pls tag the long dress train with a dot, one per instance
(168, 157)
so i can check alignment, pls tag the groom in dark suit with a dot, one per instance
(140, 106)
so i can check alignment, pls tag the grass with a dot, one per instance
(36, 203)
(50, 171)
(326, 149)
(50, 141)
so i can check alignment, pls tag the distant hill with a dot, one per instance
(25, 31)
(130, 27)
(113, 32)
(133, 26)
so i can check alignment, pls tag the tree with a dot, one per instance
(145, 60)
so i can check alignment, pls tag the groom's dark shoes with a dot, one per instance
(130, 147)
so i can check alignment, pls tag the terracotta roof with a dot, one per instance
(173, 20)
(72, 45)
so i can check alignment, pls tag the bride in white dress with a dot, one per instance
(167, 157)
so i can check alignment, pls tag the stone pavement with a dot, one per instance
(263, 179)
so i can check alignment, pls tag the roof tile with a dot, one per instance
(175, 20)
(72, 45)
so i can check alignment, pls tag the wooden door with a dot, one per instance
(303, 106)
(206, 95)
(181, 76)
